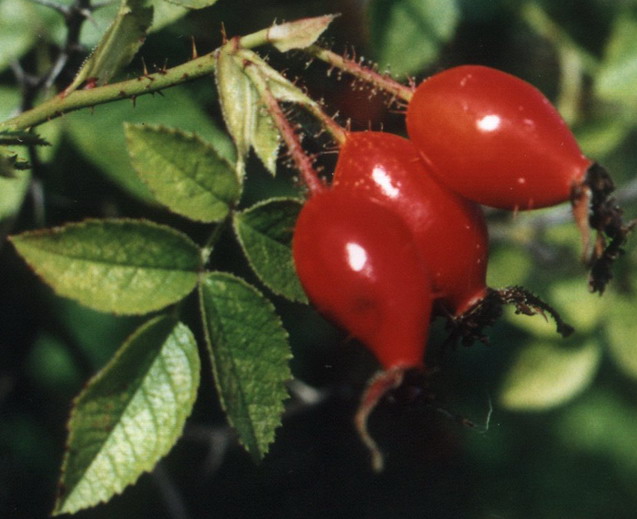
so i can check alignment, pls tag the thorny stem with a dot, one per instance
(338, 133)
(367, 74)
(301, 160)
(129, 89)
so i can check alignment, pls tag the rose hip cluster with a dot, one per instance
(400, 237)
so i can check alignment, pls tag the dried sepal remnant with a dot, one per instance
(594, 207)
(468, 327)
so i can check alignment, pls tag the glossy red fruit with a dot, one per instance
(360, 267)
(495, 139)
(449, 230)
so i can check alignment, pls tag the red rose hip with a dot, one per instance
(360, 267)
(450, 231)
(495, 139)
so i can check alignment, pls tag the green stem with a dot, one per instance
(130, 89)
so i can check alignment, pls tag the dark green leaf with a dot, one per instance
(250, 352)
(407, 35)
(265, 233)
(130, 414)
(119, 266)
(185, 173)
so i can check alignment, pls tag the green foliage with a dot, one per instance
(119, 266)
(130, 414)
(617, 77)
(184, 173)
(265, 233)
(108, 152)
(407, 35)
(249, 351)
(248, 122)
(621, 330)
(546, 374)
(118, 46)
(17, 20)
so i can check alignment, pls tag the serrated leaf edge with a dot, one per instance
(210, 346)
(189, 136)
(58, 509)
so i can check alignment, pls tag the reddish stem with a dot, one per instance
(301, 160)
(367, 74)
(378, 386)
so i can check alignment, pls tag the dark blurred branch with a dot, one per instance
(169, 492)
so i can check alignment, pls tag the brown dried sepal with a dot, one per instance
(595, 208)
(468, 327)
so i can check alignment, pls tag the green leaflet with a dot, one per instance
(120, 266)
(130, 414)
(247, 121)
(407, 34)
(249, 351)
(108, 151)
(265, 233)
(118, 45)
(185, 173)
(545, 375)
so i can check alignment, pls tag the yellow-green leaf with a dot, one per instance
(120, 266)
(185, 173)
(546, 374)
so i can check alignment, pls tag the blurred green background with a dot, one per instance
(561, 440)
